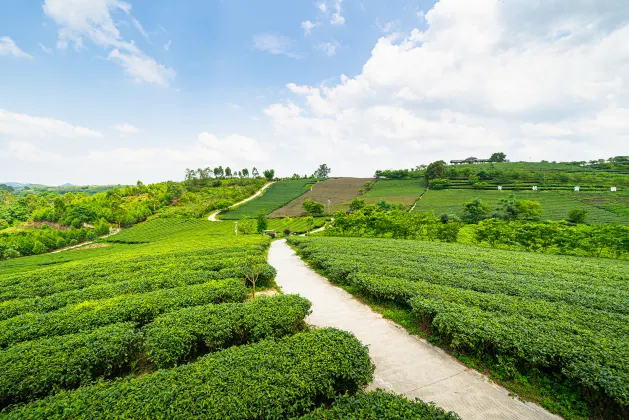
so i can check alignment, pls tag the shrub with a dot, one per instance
(262, 223)
(439, 183)
(178, 336)
(36, 368)
(141, 308)
(379, 405)
(313, 207)
(270, 379)
(577, 216)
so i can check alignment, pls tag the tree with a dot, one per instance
(228, 172)
(357, 204)
(498, 157)
(245, 173)
(475, 211)
(255, 173)
(529, 209)
(322, 172)
(239, 174)
(218, 172)
(101, 228)
(309, 224)
(577, 216)
(435, 170)
(251, 269)
(263, 223)
(493, 231)
(269, 174)
(314, 208)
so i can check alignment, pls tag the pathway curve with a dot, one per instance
(115, 231)
(212, 217)
(404, 363)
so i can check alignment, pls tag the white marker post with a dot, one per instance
(534, 187)
(236, 227)
(613, 189)
(577, 188)
(499, 187)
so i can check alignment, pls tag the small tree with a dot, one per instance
(309, 224)
(577, 216)
(435, 170)
(357, 204)
(252, 269)
(228, 172)
(269, 174)
(529, 209)
(288, 224)
(255, 173)
(313, 207)
(263, 223)
(245, 173)
(322, 171)
(475, 211)
(101, 228)
(498, 157)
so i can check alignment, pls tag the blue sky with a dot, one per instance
(99, 91)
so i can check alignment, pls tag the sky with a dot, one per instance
(115, 91)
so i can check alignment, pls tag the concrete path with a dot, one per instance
(404, 364)
(212, 217)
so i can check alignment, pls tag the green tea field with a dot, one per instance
(405, 191)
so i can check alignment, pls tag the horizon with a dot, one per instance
(105, 92)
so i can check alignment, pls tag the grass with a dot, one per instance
(337, 190)
(405, 191)
(276, 196)
(555, 205)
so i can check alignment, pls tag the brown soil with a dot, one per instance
(49, 224)
(338, 190)
(91, 246)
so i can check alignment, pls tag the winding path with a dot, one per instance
(404, 363)
(212, 217)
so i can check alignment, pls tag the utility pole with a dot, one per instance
(329, 202)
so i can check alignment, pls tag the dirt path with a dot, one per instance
(83, 243)
(212, 217)
(404, 364)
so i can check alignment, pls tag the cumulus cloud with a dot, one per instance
(23, 151)
(93, 20)
(21, 125)
(308, 26)
(329, 48)
(275, 44)
(547, 80)
(337, 17)
(9, 47)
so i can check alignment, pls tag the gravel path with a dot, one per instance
(404, 363)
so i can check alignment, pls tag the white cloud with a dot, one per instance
(142, 68)
(167, 45)
(126, 128)
(322, 6)
(9, 47)
(27, 152)
(22, 125)
(45, 49)
(547, 81)
(329, 48)
(337, 17)
(308, 26)
(275, 44)
(93, 20)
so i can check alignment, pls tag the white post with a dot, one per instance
(577, 188)
(499, 187)
(329, 202)
(236, 227)
(613, 189)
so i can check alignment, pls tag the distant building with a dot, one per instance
(469, 160)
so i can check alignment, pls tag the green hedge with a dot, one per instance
(379, 405)
(36, 368)
(141, 308)
(178, 336)
(271, 379)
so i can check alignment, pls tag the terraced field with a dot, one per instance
(555, 205)
(405, 191)
(337, 190)
(276, 196)
(563, 315)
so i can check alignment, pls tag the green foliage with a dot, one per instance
(271, 379)
(140, 308)
(269, 174)
(178, 336)
(356, 204)
(262, 223)
(276, 196)
(102, 228)
(577, 215)
(553, 313)
(379, 405)
(498, 157)
(313, 207)
(322, 172)
(439, 183)
(475, 211)
(435, 170)
(34, 369)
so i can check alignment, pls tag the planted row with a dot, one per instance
(140, 308)
(34, 369)
(271, 379)
(379, 405)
